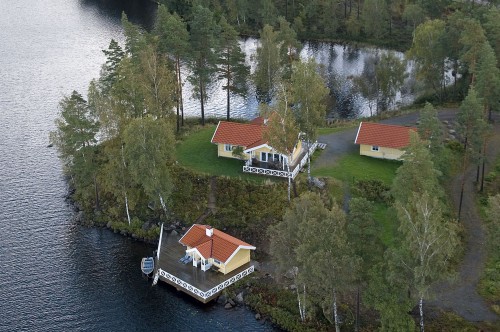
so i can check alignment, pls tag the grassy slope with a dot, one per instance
(354, 167)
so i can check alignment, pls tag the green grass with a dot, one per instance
(198, 154)
(387, 223)
(354, 167)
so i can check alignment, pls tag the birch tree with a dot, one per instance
(282, 131)
(428, 239)
(268, 64)
(148, 150)
(309, 93)
(325, 254)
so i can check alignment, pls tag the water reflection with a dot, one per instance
(140, 12)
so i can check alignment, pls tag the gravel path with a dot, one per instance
(459, 295)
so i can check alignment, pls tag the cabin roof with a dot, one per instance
(220, 245)
(240, 134)
(389, 136)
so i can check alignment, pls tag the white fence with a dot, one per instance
(205, 295)
(274, 172)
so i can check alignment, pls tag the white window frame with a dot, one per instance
(375, 148)
(228, 147)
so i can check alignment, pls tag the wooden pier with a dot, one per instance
(202, 285)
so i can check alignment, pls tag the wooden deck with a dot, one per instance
(204, 286)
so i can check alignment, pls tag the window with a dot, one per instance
(263, 156)
(216, 261)
(228, 147)
(375, 148)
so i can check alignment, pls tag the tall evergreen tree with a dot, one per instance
(173, 41)
(232, 67)
(203, 54)
(429, 55)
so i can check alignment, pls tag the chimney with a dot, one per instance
(209, 231)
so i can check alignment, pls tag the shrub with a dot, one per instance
(372, 190)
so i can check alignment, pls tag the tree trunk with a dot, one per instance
(202, 96)
(163, 205)
(289, 177)
(356, 328)
(97, 204)
(308, 159)
(228, 94)
(421, 309)
(126, 208)
(335, 314)
(302, 305)
(179, 79)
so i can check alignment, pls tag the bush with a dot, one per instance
(372, 190)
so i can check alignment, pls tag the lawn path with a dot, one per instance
(459, 296)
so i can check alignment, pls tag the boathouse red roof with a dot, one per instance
(219, 245)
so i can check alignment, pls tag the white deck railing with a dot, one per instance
(247, 168)
(205, 295)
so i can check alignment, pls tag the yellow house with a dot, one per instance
(208, 247)
(382, 141)
(248, 140)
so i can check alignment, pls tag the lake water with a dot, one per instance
(55, 275)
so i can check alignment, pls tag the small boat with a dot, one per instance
(147, 265)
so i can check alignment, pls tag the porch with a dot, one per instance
(278, 167)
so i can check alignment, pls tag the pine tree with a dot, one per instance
(232, 68)
(203, 56)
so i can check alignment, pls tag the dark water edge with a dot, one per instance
(56, 275)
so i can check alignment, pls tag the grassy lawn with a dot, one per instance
(355, 167)
(198, 154)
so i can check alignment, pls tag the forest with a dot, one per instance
(119, 143)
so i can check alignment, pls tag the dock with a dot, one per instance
(202, 285)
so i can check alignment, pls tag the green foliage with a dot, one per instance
(238, 152)
(490, 281)
(232, 67)
(428, 52)
(203, 57)
(268, 64)
(372, 190)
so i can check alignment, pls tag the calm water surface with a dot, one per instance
(54, 275)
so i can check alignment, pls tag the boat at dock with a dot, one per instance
(147, 265)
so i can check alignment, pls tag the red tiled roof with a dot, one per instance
(241, 134)
(389, 136)
(219, 246)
